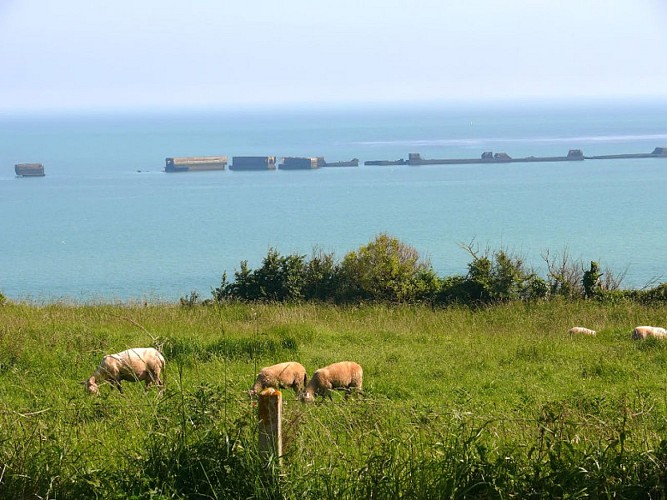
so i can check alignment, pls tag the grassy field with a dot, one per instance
(492, 403)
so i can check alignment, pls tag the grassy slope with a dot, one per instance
(425, 373)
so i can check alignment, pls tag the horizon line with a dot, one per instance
(251, 107)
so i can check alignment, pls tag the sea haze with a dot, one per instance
(106, 223)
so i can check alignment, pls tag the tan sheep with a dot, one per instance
(580, 330)
(139, 363)
(345, 375)
(280, 376)
(643, 332)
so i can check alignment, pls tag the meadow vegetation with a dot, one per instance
(459, 402)
(472, 386)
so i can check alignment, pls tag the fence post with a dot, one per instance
(270, 411)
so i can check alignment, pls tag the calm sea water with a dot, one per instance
(106, 223)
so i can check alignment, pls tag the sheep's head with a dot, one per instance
(306, 397)
(91, 386)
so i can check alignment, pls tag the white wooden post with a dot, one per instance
(270, 411)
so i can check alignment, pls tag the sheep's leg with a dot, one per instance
(116, 384)
(160, 385)
(348, 391)
(299, 387)
(153, 378)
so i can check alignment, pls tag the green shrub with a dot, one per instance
(657, 295)
(322, 277)
(243, 288)
(591, 281)
(497, 277)
(454, 290)
(384, 270)
(279, 279)
(388, 270)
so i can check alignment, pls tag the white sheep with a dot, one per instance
(345, 375)
(643, 332)
(280, 376)
(581, 330)
(139, 363)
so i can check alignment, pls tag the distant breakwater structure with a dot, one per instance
(251, 163)
(258, 163)
(415, 159)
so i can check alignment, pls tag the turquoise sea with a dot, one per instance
(106, 223)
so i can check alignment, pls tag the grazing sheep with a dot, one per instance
(280, 376)
(345, 375)
(139, 363)
(581, 330)
(643, 332)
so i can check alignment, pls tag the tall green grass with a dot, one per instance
(491, 403)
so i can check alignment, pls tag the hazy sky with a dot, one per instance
(89, 54)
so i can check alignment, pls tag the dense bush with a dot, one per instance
(390, 271)
(653, 295)
(385, 270)
(279, 279)
(322, 278)
(591, 281)
(492, 278)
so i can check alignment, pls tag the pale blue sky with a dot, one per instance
(88, 54)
